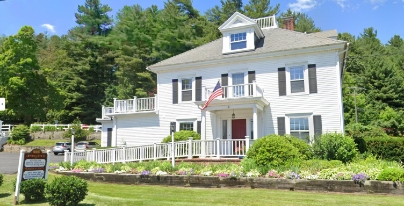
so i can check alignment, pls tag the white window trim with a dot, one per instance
(301, 115)
(306, 79)
(185, 120)
(230, 79)
(245, 40)
(180, 87)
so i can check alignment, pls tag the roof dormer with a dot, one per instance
(240, 33)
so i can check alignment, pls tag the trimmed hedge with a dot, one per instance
(182, 136)
(388, 148)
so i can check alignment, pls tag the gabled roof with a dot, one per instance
(237, 21)
(333, 34)
(275, 40)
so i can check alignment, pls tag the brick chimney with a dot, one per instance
(289, 23)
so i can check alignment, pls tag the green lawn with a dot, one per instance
(115, 194)
(51, 142)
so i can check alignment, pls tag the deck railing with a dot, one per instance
(184, 149)
(130, 106)
(267, 22)
(236, 91)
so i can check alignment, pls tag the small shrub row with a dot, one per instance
(62, 191)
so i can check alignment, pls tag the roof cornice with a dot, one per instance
(247, 57)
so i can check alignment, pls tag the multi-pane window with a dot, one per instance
(238, 84)
(187, 126)
(297, 79)
(238, 41)
(186, 89)
(299, 127)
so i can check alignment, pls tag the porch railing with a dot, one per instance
(236, 91)
(130, 106)
(184, 149)
(267, 22)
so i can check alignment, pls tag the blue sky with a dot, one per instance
(352, 16)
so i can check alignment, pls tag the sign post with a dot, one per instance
(2, 108)
(34, 164)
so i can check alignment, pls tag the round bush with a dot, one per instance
(33, 189)
(66, 190)
(305, 149)
(182, 136)
(334, 146)
(273, 150)
(19, 135)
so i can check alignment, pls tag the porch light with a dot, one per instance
(233, 116)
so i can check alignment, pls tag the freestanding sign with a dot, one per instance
(34, 164)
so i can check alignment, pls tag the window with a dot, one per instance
(186, 89)
(297, 79)
(238, 79)
(238, 41)
(187, 126)
(299, 127)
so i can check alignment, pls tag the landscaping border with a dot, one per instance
(343, 186)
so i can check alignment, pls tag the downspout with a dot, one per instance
(344, 64)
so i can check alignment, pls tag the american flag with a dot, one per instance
(216, 93)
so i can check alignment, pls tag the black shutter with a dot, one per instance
(198, 88)
(312, 78)
(172, 124)
(281, 126)
(318, 126)
(198, 127)
(225, 82)
(251, 78)
(282, 81)
(175, 91)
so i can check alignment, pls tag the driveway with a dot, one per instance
(9, 162)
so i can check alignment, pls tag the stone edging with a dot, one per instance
(344, 186)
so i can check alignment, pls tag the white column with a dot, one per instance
(247, 144)
(254, 89)
(94, 151)
(115, 132)
(218, 148)
(155, 151)
(190, 148)
(203, 134)
(134, 109)
(115, 106)
(255, 123)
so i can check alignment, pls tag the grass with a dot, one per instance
(51, 142)
(115, 194)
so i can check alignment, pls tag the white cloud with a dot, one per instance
(49, 27)
(342, 3)
(302, 5)
(377, 3)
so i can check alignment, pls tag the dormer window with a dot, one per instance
(238, 41)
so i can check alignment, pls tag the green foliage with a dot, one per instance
(66, 190)
(334, 146)
(19, 135)
(305, 149)
(359, 132)
(50, 128)
(33, 189)
(302, 22)
(388, 148)
(392, 174)
(1, 179)
(79, 133)
(273, 150)
(182, 136)
(35, 129)
(316, 165)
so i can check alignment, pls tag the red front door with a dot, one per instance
(238, 131)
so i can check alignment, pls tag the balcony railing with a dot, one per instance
(130, 106)
(267, 22)
(237, 91)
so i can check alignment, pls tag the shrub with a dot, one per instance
(50, 128)
(388, 148)
(66, 190)
(33, 189)
(19, 135)
(273, 150)
(1, 179)
(334, 146)
(35, 129)
(305, 149)
(359, 132)
(79, 133)
(391, 174)
(182, 136)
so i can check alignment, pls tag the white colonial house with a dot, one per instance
(274, 81)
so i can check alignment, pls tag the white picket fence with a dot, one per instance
(163, 151)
